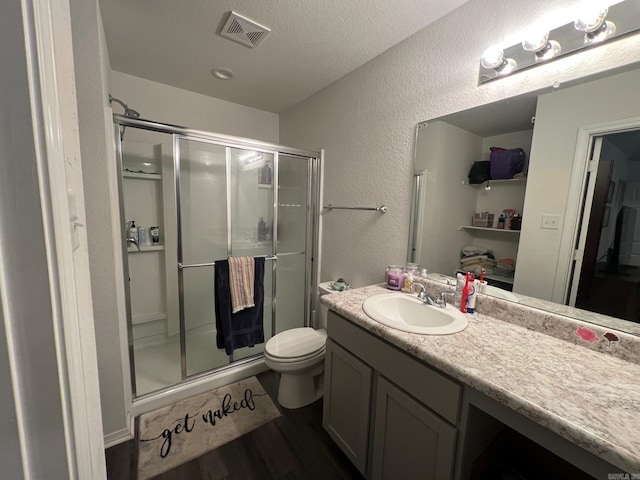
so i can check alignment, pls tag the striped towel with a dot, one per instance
(241, 277)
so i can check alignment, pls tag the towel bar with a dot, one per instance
(194, 265)
(381, 209)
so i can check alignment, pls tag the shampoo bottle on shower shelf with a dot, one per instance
(142, 236)
(262, 230)
(133, 231)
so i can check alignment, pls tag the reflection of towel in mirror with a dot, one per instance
(244, 328)
(475, 250)
(474, 258)
(241, 283)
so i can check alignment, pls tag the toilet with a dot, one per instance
(298, 356)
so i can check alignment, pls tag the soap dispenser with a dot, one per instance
(133, 231)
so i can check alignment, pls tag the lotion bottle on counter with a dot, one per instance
(465, 295)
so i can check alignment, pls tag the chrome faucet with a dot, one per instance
(440, 301)
(134, 241)
(422, 294)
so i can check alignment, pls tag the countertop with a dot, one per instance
(587, 397)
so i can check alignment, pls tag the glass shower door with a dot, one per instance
(251, 197)
(203, 235)
(292, 249)
(226, 209)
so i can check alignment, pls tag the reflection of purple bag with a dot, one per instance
(505, 163)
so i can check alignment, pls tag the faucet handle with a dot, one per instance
(443, 296)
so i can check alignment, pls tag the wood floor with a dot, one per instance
(293, 446)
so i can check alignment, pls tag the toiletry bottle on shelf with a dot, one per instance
(264, 175)
(155, 234)
(262, 230)
(142, 236)
(133, 231)
(267, 174)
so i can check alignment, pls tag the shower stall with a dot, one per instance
(187, 199)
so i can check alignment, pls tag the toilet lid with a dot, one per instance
(297, 342)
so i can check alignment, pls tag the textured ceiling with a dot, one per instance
(312, 43)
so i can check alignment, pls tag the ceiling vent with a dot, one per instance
(244, 30)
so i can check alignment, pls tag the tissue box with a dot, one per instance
(483, 219)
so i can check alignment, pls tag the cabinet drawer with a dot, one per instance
(431, 388)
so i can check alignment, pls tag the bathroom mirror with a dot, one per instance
(577, 252)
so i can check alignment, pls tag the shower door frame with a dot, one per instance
(228, 142)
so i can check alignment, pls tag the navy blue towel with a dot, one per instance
(243, 328)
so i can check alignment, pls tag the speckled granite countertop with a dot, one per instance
(587, 397)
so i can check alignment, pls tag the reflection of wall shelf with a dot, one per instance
(145, 248)
(266, 186)
(486, 229)
(499, 278)
(142, 176)
(507, 181)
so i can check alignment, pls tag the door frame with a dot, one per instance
(575, 195)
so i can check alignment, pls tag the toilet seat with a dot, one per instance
(296, 345)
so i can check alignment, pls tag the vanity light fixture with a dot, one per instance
(590, 29)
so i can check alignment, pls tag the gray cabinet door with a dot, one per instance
(409, 441)
(347, 403)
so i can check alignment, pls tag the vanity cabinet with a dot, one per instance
(390, 414)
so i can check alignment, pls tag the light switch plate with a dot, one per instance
(550, 221)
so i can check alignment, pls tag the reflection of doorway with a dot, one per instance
(607, 257)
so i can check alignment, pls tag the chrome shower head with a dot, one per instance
(128, 112)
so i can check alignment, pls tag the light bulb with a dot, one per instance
(543, 48)
(591, 20)
(493, 57)
(536, 42)
(606, 30)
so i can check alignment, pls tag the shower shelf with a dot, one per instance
(146, 248)
(142, 176)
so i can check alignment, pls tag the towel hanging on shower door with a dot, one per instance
(243, 328)
(241, 271)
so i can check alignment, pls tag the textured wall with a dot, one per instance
(366, 120)
(91, 63)
(165, 104)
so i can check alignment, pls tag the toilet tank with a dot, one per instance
(323, 289)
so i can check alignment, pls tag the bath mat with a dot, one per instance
(173, 435)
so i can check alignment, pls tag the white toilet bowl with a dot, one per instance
(298, 356)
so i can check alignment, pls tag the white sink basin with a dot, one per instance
(407, 313)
